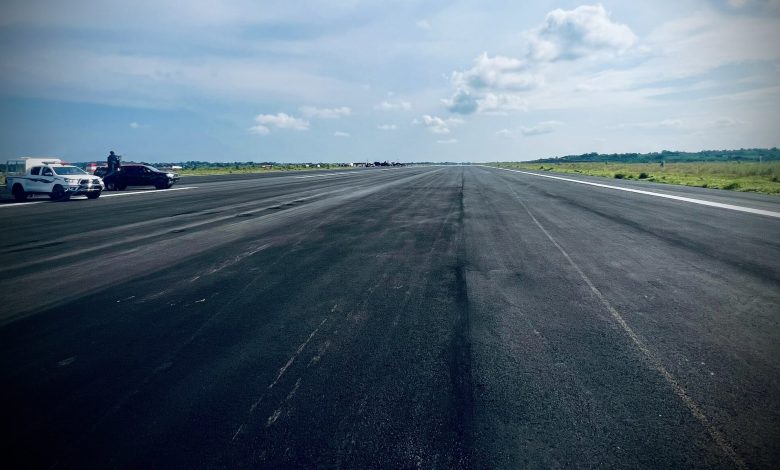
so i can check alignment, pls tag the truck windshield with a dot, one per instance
(69, 170)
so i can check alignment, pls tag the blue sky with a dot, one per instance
(351, 80)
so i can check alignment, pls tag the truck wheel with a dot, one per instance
(93, 195)
(58, 193)
(111, 186)
(19, 194)
(159, 185)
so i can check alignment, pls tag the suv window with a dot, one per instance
(47, 172)
(35, 171)
(132, 170)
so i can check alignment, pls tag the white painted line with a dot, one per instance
(321, 175)
(156, 191)
(18, 204)
(650, 193)
(344, 173)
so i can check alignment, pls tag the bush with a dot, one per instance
(619, 176)
(734, 185)
(643, 176)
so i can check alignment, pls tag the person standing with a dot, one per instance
(114, 162)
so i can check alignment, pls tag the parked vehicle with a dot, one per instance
(136, 174)
(28, 176)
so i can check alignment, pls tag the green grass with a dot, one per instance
(751, 177)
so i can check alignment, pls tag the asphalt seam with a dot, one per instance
(717, 436)
(702, 202)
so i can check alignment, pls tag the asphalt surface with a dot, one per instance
(434, 317)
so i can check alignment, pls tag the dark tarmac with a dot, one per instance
(428, 317)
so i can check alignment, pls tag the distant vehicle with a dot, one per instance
(28, 176)
(136, 174)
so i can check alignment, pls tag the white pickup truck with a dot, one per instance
(28, 176)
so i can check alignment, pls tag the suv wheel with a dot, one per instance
(58, 193)
(19, 194)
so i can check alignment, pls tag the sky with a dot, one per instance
(395, 80)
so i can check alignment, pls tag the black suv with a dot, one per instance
(136, 174)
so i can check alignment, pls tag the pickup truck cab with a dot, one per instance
(28, 176)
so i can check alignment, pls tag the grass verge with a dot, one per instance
(747, 177)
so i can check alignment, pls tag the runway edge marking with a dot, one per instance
(720, 439)
(157, 191)
(650, 193)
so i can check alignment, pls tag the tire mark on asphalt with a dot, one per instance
(146, 236)
(179, 247)
(229, 262)
(279, 375)
(440, 239)
(297, 353)
(255, 207)
(460, 348)
(166, 363)
(720, 439)
(748, 265)
(275, 415)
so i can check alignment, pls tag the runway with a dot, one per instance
(434, 317)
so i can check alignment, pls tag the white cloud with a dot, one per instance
(462, 102)
(134, 125)
(280, 121)
(501, 103)
(703, 42)
(387, 127)
(400, 105)
(340, 134)
(585, 31)
(447, 141)
(467, 102)
(325, 113)
(438, 125)
(423, 24)
(683, 124)
(545, 127)
(493, 84)
(259, 129)
(501, 84)
(503, 73)
(726, 122)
